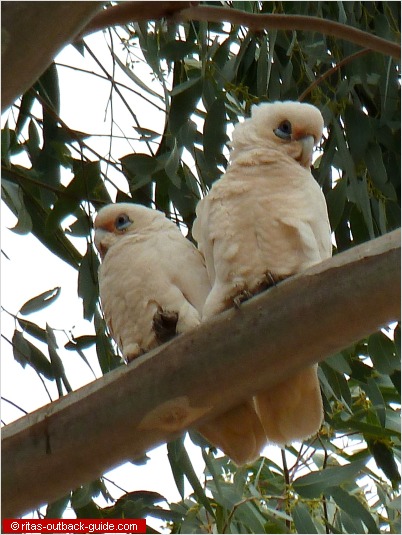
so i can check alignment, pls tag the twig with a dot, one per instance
(321, 78)
(14, 404)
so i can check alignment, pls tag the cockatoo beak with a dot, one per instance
(306, 156)
(100, 234)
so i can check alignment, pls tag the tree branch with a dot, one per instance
(127, 12)
(32, 33)
(200, 374)
(187, 11)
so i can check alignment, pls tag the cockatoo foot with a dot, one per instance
(164, 325)
(132, 352)
(244, 295)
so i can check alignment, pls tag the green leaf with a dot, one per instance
(146, 134)
(351, 505)
(376, 398)
(21, 349)
(81, 342)
(227, 496)
(107, 358)
(57, 508)
(26, 104)
(358, 131)
(215, 136)
(88, 282)
(354, 423)
(314, 484)
(174, 451)
(33, 141)
(177, 50)
(384, 458)
(139, 164)
(40, 363)
(336, 199)
(184, 104)
(178, 455)
(139, 170)
(86, 184)
(338, 383)
(302, 519)
(172, 165)
(57, 364)
(137, 80)
(41, 301)
(350, 524)
(13, 197)
(33, 329)
(184, 86)
(382, 352)
(83, 496)
(249, 515)
(339, 363)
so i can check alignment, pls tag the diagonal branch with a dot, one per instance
(132, 409)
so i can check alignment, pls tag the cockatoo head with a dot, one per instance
(293, 127)
(117, 220)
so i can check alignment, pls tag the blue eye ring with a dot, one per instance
(122, 222)
(284, 130)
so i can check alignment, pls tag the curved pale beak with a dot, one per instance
(100, 234)
(307, 145)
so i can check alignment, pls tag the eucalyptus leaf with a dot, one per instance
(41, 301)
(314, 484)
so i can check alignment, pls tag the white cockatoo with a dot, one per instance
(153, 284)
(264, 220)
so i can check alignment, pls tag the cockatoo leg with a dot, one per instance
(164, 325)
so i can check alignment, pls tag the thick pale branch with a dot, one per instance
(32, 33)
(200, 374)
(136, 11)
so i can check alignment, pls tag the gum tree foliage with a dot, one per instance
(207, 76)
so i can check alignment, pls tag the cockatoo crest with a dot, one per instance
(289, 128)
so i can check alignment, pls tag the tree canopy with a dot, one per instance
(202, 75)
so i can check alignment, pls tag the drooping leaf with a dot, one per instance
(88, 282)
(314, 484)
(382, 352)
(40, 302)
(351, 505)
(302, 519)
(81, 342)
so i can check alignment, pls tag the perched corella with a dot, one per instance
(151, 277)
(153, 284)
(264, 220)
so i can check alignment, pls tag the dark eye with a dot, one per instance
(284, 130)
(122, 222)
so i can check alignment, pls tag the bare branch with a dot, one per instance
(331, 71)
(127, 12)
(187, 11)
(132, 409)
